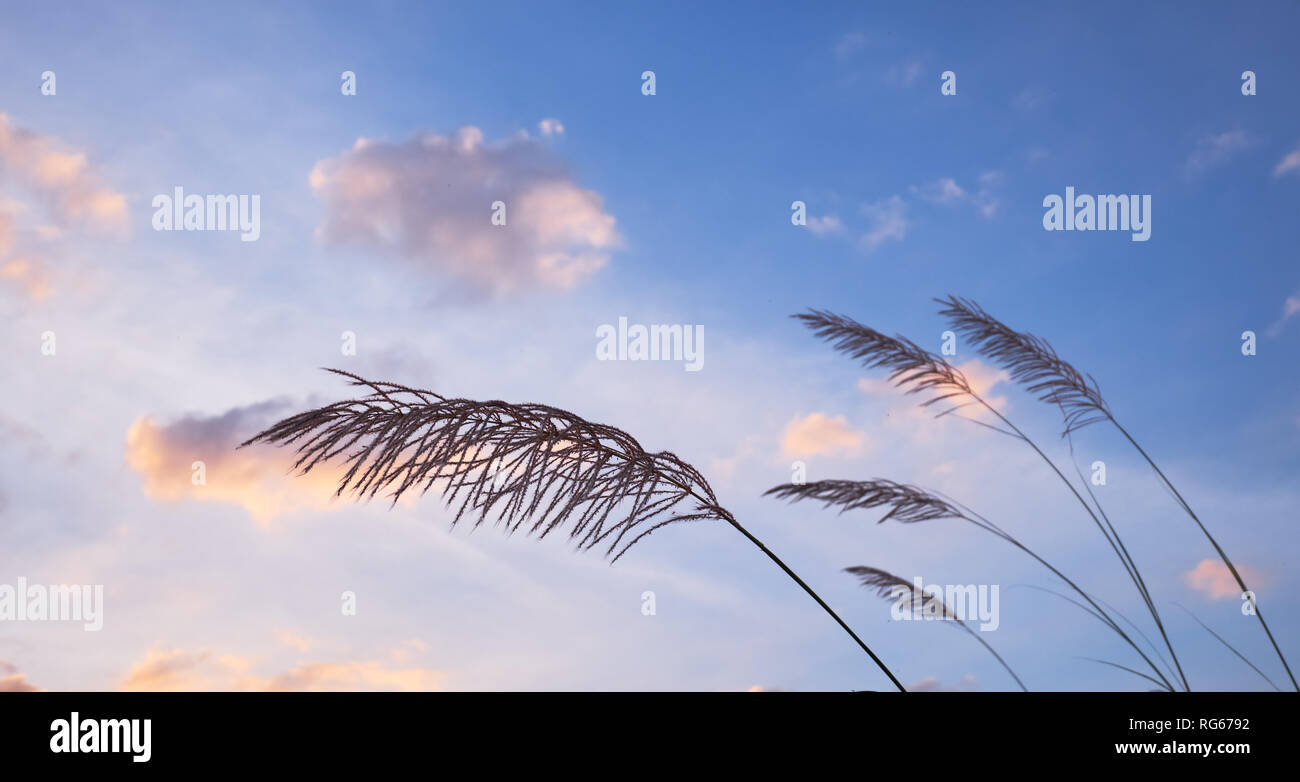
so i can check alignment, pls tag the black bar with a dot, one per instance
(1050, 732)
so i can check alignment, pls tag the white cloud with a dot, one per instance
(1290, 308)
(430, 199)
(551, 127)
(1289, 163)
(887, 220)
(821, 226)
(903, 74)
(849, 44)
(1215, 149)
(947, 192)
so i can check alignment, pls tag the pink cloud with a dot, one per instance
(181, 670)
(431, 198)
(13, 681)
(817, 434)
(70, 185)
(260, 478)
(1213, 578)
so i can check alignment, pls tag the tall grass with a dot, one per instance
(530, 467)
(1033, 363)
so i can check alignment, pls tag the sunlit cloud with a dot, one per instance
(817, 434)
(67, 181)
(13, 681)
(182, 670)
(1212, 577)
(259, 478)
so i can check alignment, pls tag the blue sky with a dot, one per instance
(675, 209)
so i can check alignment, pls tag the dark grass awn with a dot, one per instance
(529, 467)
(911, 504)
(1033, 362)
(892, 587)
(918, 371)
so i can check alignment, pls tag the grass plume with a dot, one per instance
(892, 587)
(1033, 362)
(531, 467)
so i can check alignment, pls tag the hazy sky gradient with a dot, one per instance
(672, 208)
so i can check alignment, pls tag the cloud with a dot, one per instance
(822, 226)
(430, 199)
(71, 187)
(24, 269)
(903, 74)
(13, 681)
(944, 191)
(1213, 578)
(368, 676)
(967, 683)
(259, 478)
(818, 433)
(71, 192)
(1215, 149)
(849, 44)
(887, 219)
(1029, 99)
(877, 386)
(551, 127)
(983, 378)
(293, 640)
(947, 192)
(1290, 308)
(179, 670)
(30, 274)
(1289, 163)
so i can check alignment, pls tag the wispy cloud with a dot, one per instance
(61, 189)
(1216, 149)
(822, 226)
(903, 74)
(71, 187)
(182, 670)
(13, 681)
(887, 220)
(1290, 308)
(1290, 163)
(967, 683)
(850, 44)
(947, 192)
